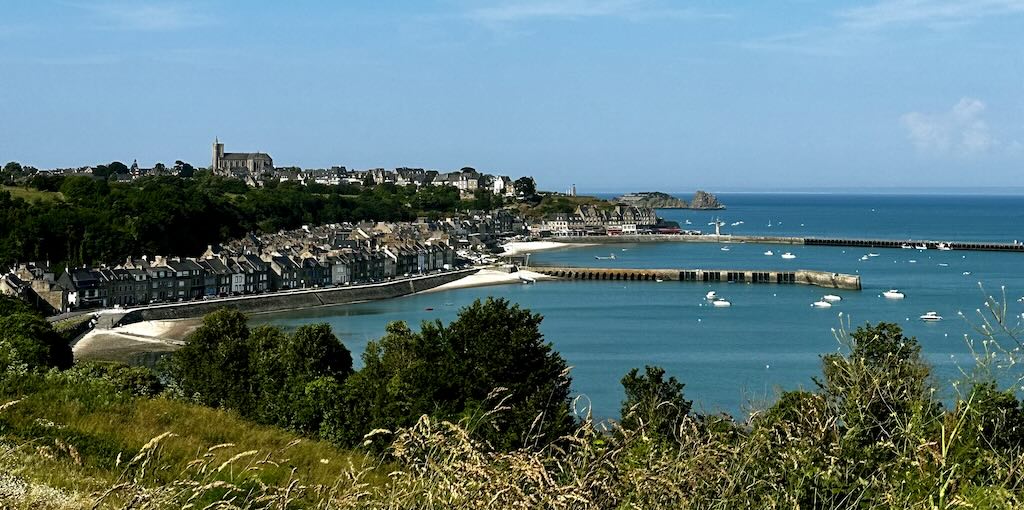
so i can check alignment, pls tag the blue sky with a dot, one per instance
(606, 94)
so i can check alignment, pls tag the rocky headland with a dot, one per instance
(659, 200)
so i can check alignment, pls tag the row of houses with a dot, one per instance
(161, 280)
(591, 220)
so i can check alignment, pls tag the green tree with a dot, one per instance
(213, 366)
(28, 340)
(118, 167)
(525, 187)
(880, 383)
(653, 404)
(493, 352)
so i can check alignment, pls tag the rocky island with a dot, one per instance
(659, 200)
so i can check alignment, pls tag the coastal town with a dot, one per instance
(329, 255)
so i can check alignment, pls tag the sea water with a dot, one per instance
(771, 338)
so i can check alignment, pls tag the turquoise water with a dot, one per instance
(771, 338)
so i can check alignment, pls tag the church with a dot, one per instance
(240, 164)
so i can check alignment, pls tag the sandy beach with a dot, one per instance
(520, 247)
(125, 343)
(490, 277)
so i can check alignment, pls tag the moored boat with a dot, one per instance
(821, 304)
(721, 302)
(893, 294)
(788, 255)
(711, 295)
(931, 316)
(832, 297)
(769, 253)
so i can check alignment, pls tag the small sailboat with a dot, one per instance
(931, 316)
(769, 253)
(821, 304)
(609, 257)
(788, 255)
(769, 223)
(893, 294)
(721, 302)
(832, 298)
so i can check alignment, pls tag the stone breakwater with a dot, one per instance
(281, 301)
(809, 241)
(799, 276)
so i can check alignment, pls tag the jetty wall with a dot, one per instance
(800, 276)
(809, 241)
(289, 300)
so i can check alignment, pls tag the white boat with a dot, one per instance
(893, 294)
(527, 280)
(609, 257)
(906, 246)
(788, 255)
(688, 222)
(943, 247)
(821, 304)
(769, 253)
(864, 257)
(725, 248)
(921, 246)
(659, 280)
(711, 295)
(737, 223)
(931, 317)
(967, 273)
(912, 261)
(943, 264)
(720, 302)
(872, 254)
(832, 297)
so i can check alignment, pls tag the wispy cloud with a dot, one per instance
(935, 14)
(510, 11)
(961, 131)
(145, 16)
(850, 29)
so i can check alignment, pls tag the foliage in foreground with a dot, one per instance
(873, 434)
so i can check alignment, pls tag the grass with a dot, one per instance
(31, 195)
(67, 442)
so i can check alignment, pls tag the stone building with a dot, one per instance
(239, 164)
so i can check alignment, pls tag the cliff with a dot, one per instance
(652, 199)
(705, 200)
(658, 200)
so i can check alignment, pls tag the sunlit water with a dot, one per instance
(770, 338)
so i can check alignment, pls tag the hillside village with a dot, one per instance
(324, 255)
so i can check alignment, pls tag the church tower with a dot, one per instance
(218, 153)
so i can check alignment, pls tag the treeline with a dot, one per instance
(99, 221)
(477, 413)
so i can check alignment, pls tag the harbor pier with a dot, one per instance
(808, 241)
(799, 276)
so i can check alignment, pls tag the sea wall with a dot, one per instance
(661, 238)
(800, 276)
(276, 302)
